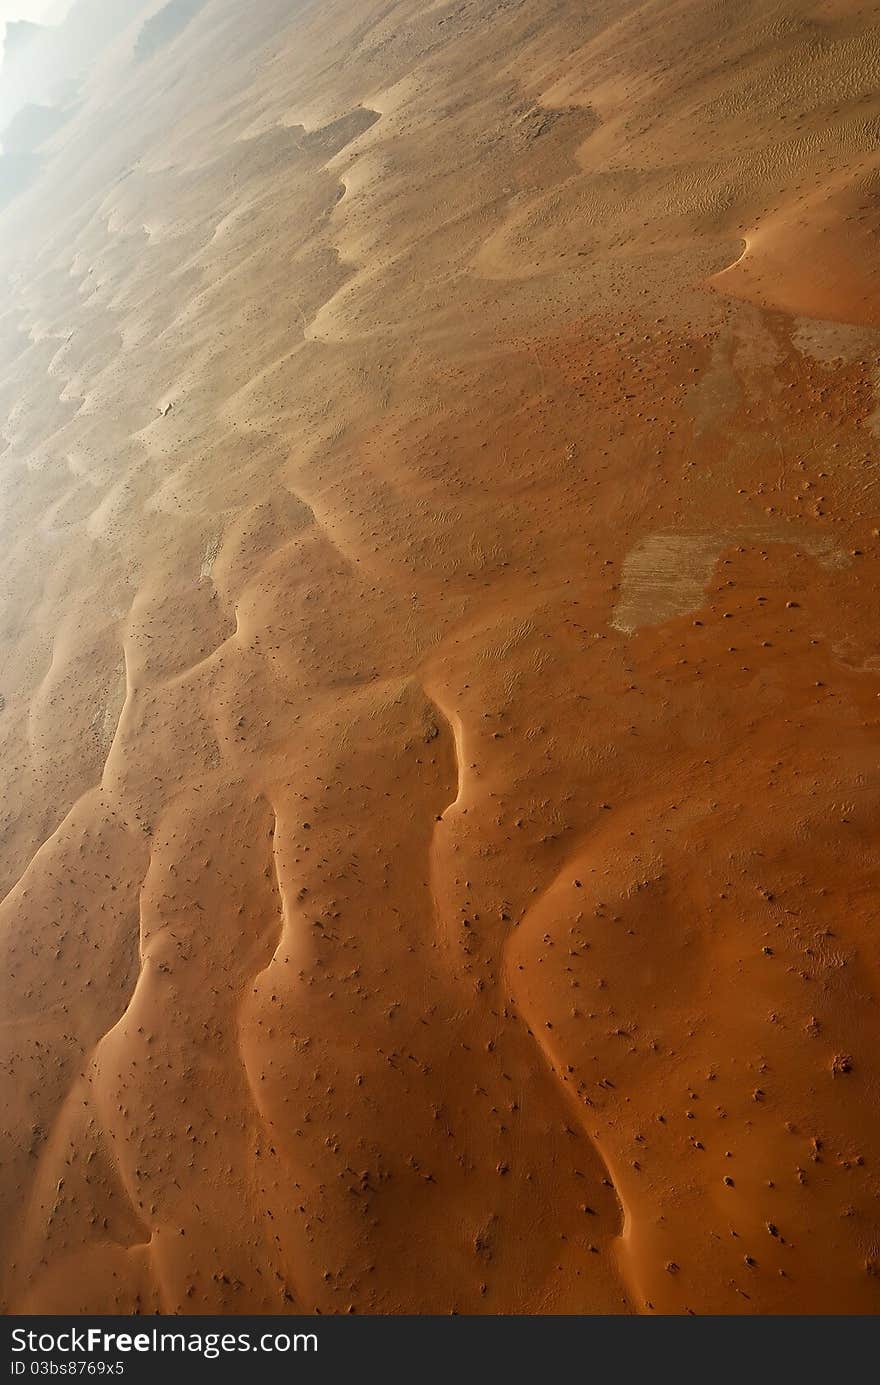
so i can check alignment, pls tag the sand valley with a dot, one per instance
(440, 661)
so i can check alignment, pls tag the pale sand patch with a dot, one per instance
(832, 342)
(106, 718)
(665, 575)
(212, 548)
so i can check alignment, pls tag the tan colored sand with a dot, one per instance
(438, 614)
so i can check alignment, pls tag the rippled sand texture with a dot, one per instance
(439, 611)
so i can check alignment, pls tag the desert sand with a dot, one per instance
(440, 664)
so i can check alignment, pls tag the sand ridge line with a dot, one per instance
(537, 1034)
(473, 466)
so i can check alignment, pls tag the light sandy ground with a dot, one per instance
(439, 700)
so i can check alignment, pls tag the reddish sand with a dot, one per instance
(439, 610)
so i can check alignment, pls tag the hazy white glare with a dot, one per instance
(37, 11)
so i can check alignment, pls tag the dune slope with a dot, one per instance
(440, 673)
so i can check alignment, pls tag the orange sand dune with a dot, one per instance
(440, 671)
(819, 257)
